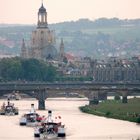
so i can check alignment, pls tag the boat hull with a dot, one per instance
(39, 132)
(8, 113)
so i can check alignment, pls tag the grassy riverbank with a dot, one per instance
(116, 109)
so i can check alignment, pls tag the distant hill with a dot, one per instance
(99, 39)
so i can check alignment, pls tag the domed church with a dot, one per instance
(42, 43)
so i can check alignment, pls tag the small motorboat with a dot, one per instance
(8, 109)
(49, 129)
(30, 119)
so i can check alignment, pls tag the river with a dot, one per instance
(79, 126)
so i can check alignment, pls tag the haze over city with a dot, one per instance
(25, 12)
(65, 80)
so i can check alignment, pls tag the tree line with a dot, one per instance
(17, 69)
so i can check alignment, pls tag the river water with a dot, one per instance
(79, 126)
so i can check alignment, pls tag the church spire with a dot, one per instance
(42, 3)
(62, 43)
(23, 49)
(42, 17)
(23, 42)
(61, 53)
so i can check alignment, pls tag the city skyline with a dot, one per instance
(25, 12)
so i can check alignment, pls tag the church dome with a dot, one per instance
(42, 9)
(49, 52)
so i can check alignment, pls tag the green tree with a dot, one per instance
(26, 69)
(32, 69)
(50, 73)
(117, 97)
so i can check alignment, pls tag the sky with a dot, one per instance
(25, 11)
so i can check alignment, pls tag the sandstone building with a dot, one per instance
(42, 43)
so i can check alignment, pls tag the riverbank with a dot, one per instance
(116, 109)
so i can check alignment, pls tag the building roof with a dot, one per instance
(49, 52)
(69, 56)
(42, 9)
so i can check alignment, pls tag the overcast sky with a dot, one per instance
(25, 11)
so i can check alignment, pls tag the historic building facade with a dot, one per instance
(23, 50)
(42, 43)
(116, 70)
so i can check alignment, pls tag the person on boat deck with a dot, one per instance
(32, 118)
(62, 126)
(50, 129)
(55, 128)
(39, 118)
(59, 124)
(43, 128)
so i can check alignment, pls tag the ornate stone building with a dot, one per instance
(42, 44)
(117, 70)
(61, 51)
(23, 50)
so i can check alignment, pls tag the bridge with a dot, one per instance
(93, 91)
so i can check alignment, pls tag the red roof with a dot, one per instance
(70, 57)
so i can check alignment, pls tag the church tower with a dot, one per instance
(23, 50)
(43, 39)
(61, 51)
(42, 17)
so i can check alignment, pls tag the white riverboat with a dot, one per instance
(50, 129)
(8, 109)
(31, 118)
